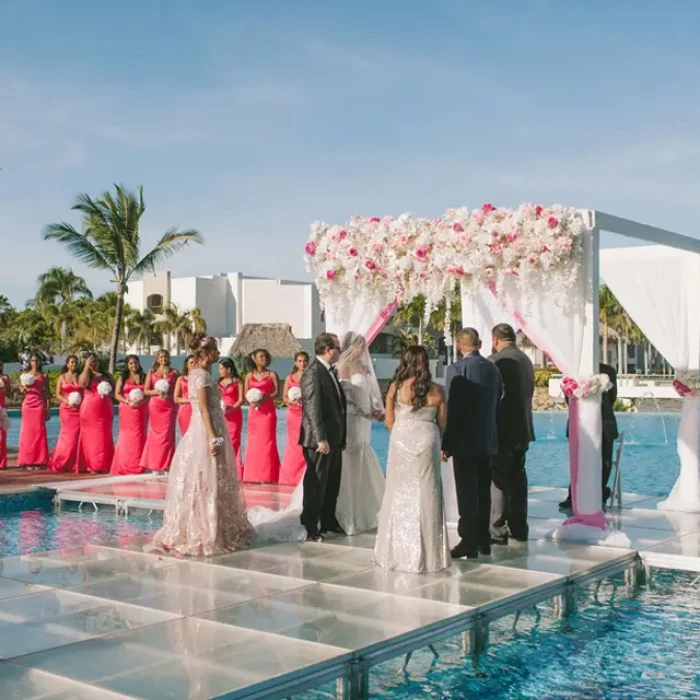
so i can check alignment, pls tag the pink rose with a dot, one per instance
(331, 275)
(511, 237)
(422, 252)
(532, 260)
(681, 389)
(488, 208)
(545, 249)
(538, 210)
(478, 217)
(310, 248)
(552, 222)
(353, 252)
(403, 240)
(343, 234)
(460, 271)
(497, 249)
(457, 226)
(375, 219)
(329, 256)
(512, 272)
(370, 265)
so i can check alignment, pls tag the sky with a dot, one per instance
(248, 120)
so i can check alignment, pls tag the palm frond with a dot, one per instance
(78, 245)
(171, 242)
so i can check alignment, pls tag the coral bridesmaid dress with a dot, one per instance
(184, 414)
(262, 460)
(65, 454)
(230, 395)
(293, 462)
(133, 423)
(160, 443)
(3, 433)
(33, 439)
(96, 439)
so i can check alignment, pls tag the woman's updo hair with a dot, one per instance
(200, 343)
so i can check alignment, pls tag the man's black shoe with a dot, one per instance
(314, 538)
(485, 550)
(500, 541)
(461, 551)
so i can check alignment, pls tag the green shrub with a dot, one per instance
(543, 375)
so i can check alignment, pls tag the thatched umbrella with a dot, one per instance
(276, 338)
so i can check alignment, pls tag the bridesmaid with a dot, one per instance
(232, 397)
(5, 393)
(262, 460)
(65, 454)
(181, 398)
(293, 462)
(33, 439)
(162, 409)
(133, 419)
(96, 417)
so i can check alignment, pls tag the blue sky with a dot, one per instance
(248, 119)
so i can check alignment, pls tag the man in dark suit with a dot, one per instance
(610, 432)
(323, 435)
(473, 387)
(515, 433)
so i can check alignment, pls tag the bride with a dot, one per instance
(205, 512)
(361, 478)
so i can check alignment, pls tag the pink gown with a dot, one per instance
(205, 512)
(96, 439)
(65, 454)
(230, 395)
(184, 413)
(262, 460)
(33, 439)
(293, 462)
(3, 432)
(132, 434)
(160, 443)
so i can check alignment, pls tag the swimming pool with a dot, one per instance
(650, 464)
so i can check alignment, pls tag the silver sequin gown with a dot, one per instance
(412, 534)
(205, 511)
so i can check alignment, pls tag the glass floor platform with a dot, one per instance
(109, 620)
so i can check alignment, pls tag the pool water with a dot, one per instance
(650, 464)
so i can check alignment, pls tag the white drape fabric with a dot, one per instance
(659, 287)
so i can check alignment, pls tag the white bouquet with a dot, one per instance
(254, 396)
(2, 383)
(294, 393)
(74, 399)
(104, 389)
(135, 395)
(162, 386)
(27, 379)
(4, 420)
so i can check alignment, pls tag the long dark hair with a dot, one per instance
(414, 364)
(156, 364)
(100, 366)
(126, 373)
(230, 366)
(39, 361)
(64, 369)
(185, 370)
(251, 359)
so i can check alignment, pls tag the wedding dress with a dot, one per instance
(361, 477)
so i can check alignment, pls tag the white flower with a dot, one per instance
(135, 395)
(75, 399)
(104, 389)
(294, 393)
(27, 379)
(162, 386)
(254, 396)
(2, 383)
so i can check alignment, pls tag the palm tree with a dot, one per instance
(199, 325)
(139, 328)
(111, 240)
(608, 308)
(413, 315)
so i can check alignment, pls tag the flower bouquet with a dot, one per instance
(254, 397)
(162, 386)
(294, 394)
(27, 379)
(135, 396)
(687, 384)
(585, 387)
(74, 399)
(104, 389)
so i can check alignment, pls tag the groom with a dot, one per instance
(323, 433)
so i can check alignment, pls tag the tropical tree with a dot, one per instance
(139, 328)
(413, 316)
(176, 325)
(199, 325)
(608, 309)
(111, 240)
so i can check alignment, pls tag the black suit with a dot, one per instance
(610, 431)
(323, 420)
(473, 386)
(515, 433)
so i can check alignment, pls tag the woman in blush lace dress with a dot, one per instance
(412, 534)
(205, 513)
(361, 479)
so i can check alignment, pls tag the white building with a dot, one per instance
(229, 300)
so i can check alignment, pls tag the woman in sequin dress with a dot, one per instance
(204, 512)
(412, 533)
